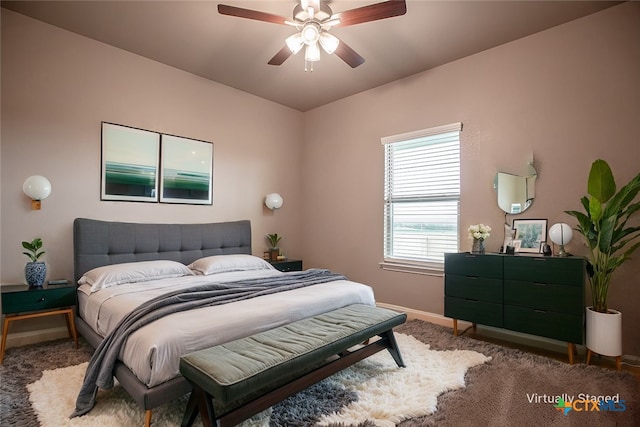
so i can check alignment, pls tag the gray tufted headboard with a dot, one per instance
(97, 243)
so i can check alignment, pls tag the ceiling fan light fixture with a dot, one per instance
(295, 43)
(329, 42)
(312, 53)
(310, 33)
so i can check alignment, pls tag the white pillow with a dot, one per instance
(132, 272)
(225, 263)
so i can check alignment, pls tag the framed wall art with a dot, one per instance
(130, 159)
(531, 232)
(186, 171)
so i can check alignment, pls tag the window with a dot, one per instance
(422, 195)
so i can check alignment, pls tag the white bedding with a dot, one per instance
(153, 352)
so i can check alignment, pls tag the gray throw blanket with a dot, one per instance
(100, 370)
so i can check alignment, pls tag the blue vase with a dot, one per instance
(35, 273)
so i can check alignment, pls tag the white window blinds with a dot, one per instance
(422, 194)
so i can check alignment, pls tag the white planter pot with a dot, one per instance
(604, 332)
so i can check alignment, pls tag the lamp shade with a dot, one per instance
(37, 187)
(273, 201)
(560, 233)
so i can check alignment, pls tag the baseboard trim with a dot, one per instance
(438, 319)
(19, 339)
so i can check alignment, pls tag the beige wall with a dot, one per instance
(56, 89)
(565, 96)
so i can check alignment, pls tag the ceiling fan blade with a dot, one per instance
(349, 55)
(372, 12)
(239, 12)
(281, 56)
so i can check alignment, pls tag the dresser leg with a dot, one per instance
(619, 363)
(571, 350)
(588, 356)
(455, 329)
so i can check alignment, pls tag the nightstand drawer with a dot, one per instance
(560, 326)
(38, 299)
(543, 296)
(561, 271)
(476, 288)
(289, 265)
(485, 313)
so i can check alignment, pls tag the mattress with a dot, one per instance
(153, 352)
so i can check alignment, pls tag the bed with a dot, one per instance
(148, 364)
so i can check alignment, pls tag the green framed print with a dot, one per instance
(531, 232)
(130, 159)
(186, 171)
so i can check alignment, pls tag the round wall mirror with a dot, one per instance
(515, 193)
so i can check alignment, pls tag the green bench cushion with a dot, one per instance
(275, 357)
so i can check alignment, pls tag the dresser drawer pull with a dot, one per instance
(42, 299)
(539, 284)
(539, 259)
(537, 310)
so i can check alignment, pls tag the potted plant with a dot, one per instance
(610, 242)
(35, 271)
(274, 250)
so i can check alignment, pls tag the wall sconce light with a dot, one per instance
(561, 234)
(273, 201)
(37, 188)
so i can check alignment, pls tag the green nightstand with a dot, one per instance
(20, 302)
(288, 265)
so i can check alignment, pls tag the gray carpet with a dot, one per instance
(498, 393)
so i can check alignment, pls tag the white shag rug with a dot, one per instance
(386, 394)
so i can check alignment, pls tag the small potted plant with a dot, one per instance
(274, 250)
(611, 241)
(35, 271)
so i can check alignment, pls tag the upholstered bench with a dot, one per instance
(236, 380)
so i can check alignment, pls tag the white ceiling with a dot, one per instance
(192, 36)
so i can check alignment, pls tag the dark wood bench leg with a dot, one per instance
(199, 402)
(393, 348)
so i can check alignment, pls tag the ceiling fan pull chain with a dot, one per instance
(306, 66)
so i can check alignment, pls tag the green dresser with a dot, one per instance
(536, 295)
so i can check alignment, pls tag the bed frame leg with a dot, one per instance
(147, 418)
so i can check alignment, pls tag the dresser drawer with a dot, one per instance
(466, 264)
(475, 288)
(560, 326)
(562, 271)
(482, 312)
(543, 296)
(38, 299)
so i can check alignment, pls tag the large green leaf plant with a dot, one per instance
(610, 239)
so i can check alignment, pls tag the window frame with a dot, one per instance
(406, 264)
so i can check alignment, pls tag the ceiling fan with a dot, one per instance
(313, 19)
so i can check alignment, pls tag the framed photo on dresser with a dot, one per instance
(531, 233)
